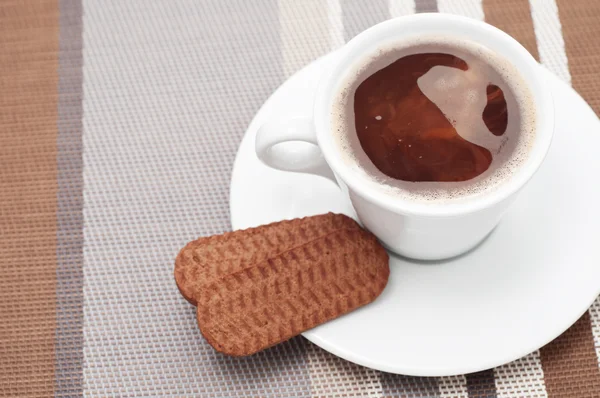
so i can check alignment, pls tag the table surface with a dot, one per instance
(119, 122)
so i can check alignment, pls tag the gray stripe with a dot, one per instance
(280, 371)
(247, 61)
(359, 15)
(69, 273)
(481, 384)
(170, 89)
(426, 6)
(408, 386)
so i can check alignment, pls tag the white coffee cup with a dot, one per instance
(420, 230)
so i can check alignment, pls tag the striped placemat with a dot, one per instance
(119, 122)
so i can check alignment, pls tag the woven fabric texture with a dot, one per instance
(119, 123)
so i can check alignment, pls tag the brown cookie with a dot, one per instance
(298, 274)
(205, 259)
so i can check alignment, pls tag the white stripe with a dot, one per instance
(304, 27)
(548, 33)
(521, 378)
(399, 8)
(453, 387)
(456, 386)
(595, 318)
(468, 8)
(335, 377)
(336, 24)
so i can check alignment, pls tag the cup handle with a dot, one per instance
(291, 145)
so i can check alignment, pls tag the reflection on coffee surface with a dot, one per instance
(407, 136)
(435, 118)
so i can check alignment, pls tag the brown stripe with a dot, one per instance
(69, 290)
(570, 363)
(481, 384)
(28, 191)
(581, 32)
(513, 17)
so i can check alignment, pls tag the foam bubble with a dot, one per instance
(445, 87)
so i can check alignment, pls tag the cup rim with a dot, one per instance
(405, 26)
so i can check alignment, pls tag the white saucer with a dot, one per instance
(533, 277)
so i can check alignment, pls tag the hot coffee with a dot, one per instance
(434, 118)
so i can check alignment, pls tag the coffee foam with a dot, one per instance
(445, 87)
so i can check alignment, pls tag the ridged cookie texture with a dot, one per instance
(259, 287)
(206, 259)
